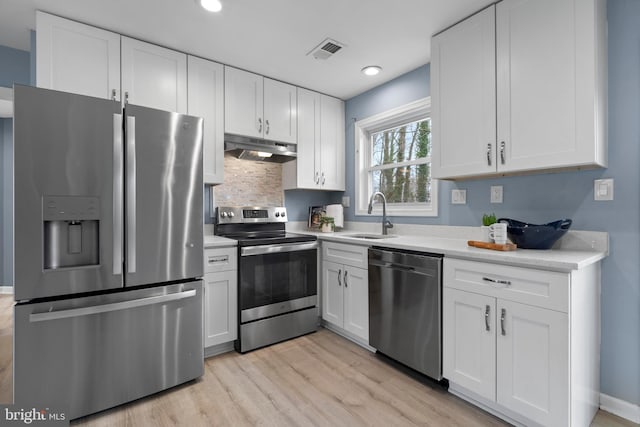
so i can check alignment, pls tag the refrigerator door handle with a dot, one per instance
(131, 194)
(106, 308)
(117, 194)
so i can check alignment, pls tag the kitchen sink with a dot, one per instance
(371, 236)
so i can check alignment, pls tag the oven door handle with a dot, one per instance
(279, 248)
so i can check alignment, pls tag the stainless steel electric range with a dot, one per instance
(277, 276)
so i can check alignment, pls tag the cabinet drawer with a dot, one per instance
(353, 255)
(220, 259)
(539, 288)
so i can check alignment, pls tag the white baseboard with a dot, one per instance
(6, 290)
(620, 408)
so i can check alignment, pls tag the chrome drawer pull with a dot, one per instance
(497, 281)
(216, 259)
(340, 277)
(486, 317)
(503, 314)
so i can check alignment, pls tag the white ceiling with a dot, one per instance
(269, 37)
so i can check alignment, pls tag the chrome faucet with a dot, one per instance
(385, 222)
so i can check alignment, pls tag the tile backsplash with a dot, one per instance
(250, 183)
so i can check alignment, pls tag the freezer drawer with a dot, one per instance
(84, 355)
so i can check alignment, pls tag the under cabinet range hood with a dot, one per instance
(247, 148)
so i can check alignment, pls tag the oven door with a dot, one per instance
(276, 279)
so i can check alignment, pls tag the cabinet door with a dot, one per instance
(331, 148)
(153, 76)
(206, 100)
(356, 301)
(543, 50)
(304, 172)
(469, 334)
(243, 103)
(220, 307)
(280, 111)
(463, 98)
(532, 362)
(76, 58)
(332, 293)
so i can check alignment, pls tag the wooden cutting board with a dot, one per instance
(492, 246)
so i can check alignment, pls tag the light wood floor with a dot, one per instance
(319, 379)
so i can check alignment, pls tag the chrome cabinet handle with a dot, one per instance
(317, 179)
(499, 282)
(339, 277)
(486, 317)
(266, 122)
(502, 145)
(322, 178)
(259, 125)
(346, 285)
(488, 154)
(113, 94)
(126, 97)
(219, 258)
(503, 314)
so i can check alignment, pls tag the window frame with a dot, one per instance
(395, 117)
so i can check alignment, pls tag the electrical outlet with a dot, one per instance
(346, 201)
(459, 197)
(496, 194)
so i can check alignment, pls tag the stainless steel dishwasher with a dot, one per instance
(405, 308)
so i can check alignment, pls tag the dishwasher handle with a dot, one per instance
(401, 267)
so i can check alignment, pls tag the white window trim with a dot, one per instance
(363, 129)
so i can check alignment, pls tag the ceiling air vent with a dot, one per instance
(326, 49)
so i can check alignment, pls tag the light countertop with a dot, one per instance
(564, 259)
(212, 241)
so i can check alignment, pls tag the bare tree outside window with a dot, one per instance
(401, 162)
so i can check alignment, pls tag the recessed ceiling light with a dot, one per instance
(211, 5)
(371, 70)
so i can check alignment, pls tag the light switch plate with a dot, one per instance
(459, 197)
(346, 201)
(496, 194)
(603, 189)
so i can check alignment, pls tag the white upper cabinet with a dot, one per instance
(463, 73)
(154, 76)
(77, 58)
(206, 100)
(243, 103)
(280, 111)
(259, 107)
(550, 89)
(320, 163)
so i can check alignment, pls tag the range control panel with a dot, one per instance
(251, 214)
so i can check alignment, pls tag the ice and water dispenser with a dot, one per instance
(71, 231)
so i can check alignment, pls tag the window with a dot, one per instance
(393, 156)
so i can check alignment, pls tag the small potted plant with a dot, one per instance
(327, 224)
(487, 220)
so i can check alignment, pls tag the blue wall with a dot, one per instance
(15, 66)
(543, 198)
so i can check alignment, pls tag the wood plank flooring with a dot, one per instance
(317, 380)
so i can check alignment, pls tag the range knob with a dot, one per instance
(223, 214)
(277, 214)
(282, 214)
(231, 214)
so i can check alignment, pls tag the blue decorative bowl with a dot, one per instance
(533, 236)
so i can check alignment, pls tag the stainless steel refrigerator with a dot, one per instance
(108, 251)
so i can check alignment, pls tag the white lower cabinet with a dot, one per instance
(220, 296)
(345, 289)
(503, 348)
